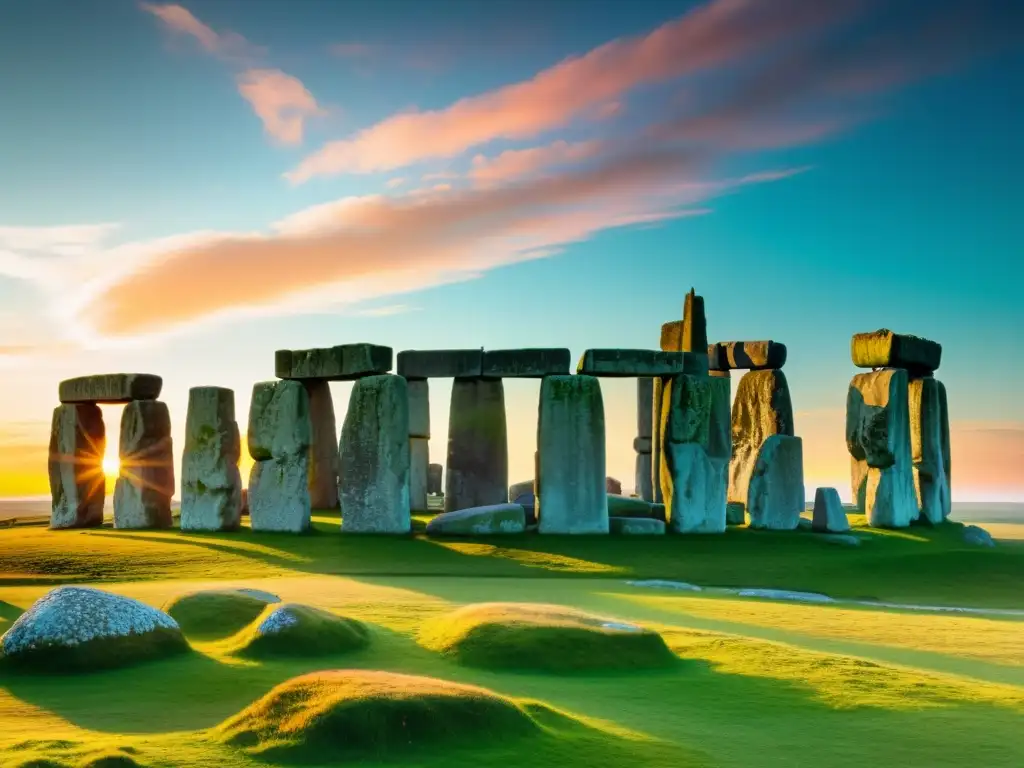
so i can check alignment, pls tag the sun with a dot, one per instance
(111, 466)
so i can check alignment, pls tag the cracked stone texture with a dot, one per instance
(776, 497)
(762, 408)
(279, 494)
(375, 457)
(685, 409)
(75, 466)
(476, 470)
(145, 485)
(211, 485)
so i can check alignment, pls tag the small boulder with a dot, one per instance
(612, 485)
(528, 501)
(479, 521)
(977, 536)
(292, 629)
(629, 506)
(519, 489)
(829, 515)
(636, 526)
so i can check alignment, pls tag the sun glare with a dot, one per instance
(111, 466)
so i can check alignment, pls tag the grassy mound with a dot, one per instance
(299, 630)
(97, 655)
(547, 638)
(214, 613)
(340, 714)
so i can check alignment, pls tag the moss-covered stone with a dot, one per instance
(479, 521)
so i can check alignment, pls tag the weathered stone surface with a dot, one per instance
(142, 494)
(944, 442)
(929, 469)
(878, 433)
(419, 408)
(419, 459)
(323, 446)
(476, 471)
(639, 363)
(525, 363)
(278, 494)
(375, 457)
(776, 496)
(612, 485)
(345, 362)
(859, 482)
(643, 477)
(657, 395)
(440, 363)
(571, 447)
(693, 488)
(528, 501)
(659, 512)
(279, 423)
(75, 465)
(435, 478)
(111, 388)
(628, 506)
(720, 419)
(829, 515)
(885, 349)
(211, 485)
(518, 489)
(762, 408)
(644, 407)
(685, 409)
(479, 521)
(642, 444)
(747, 355)
(635, 526)
(695, 324)
(735, 513)
(978, 537)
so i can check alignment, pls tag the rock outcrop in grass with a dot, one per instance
(547, 638)
(300, 630)
(217, 613)
(341, 715)
(81, 629)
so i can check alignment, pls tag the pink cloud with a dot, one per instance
(714, 34)
(179, 19)
(280, 101)
(518, 163)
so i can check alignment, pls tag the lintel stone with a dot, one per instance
(111, 388)
(624, 363)
(525, 363)
(746, 355)
(345, 362)
(885, 349)
(440, 363)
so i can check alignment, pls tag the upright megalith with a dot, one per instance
(775, 496)
(375, 457)
(947, 461)
(77, 483)
(211, 485)
(323, 446)
(695, 324)
(435, 478)
(572, 495)
(279, 440)
(419, 443)
(926, 446)
(878, 438)
(829, 515)
(476, 470)
(145, 485)
(643, 480)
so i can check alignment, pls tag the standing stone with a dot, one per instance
(142, 494)
(571, 447)
(375, 457)
(735, 513)
(419, 459)
(946, 456)
(644, 406)
(435, 475)
(762, 408)
(419, 407)
(776, 496)
(695, 494)
(323, 446)
(211, 485)
(279, 439)
(829, 515)
(929, 469)
(657, 392)
(644, 479)
(878, 433)
(859, 483)
(477, 467)
(695, 324)
(77, 483)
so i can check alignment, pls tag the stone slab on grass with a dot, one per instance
(479, 521)
(636, 526)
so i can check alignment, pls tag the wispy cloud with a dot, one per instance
(519, 163)
(227, 45)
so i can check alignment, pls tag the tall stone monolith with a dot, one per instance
(644, 475)
(573, 497)
(419, 443)
(211, 485)
(775, 496)
(145, 485)
(947, 459)
(930, 486)
(77, 482)
(762, 408)
(323, 446)
(279, 439)
(375, 457)
(476, 470)
(878, 434)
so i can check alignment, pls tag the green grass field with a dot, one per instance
(754, 682)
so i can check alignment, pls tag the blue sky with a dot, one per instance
(813, 169)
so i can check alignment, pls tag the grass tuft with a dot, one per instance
(315, 632)
(213, 614)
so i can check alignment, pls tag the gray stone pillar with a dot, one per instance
(77, 482)
(419, 443)
(775, 497)
(947, 459)
(476, 471)
(279, 439)
(656, 440)
(142, 494)
(571, 456)
(435, 479)
(323, 446)
(644, 476)
(211, 485)
(375, 457)
(930, 486)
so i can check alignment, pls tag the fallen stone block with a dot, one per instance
(885, 349)
(930, 486)
(628, 506)
(622, 363)
(747, 355)
(518, 489)
(476, 470)
(693, 488)
(75, 466)
(435, 475)
(419, 408)
(776, 497)
(345, 362)
(145, 485)
(479, 521)
(762, 408)
(211, 485)
(323, 446)
(573, 497)
(635, 526)
(111, 388)
(525, 363)
(419, 459)
(375, 457)
(440, 363)
(829, 515)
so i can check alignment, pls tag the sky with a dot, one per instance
(186, 188)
